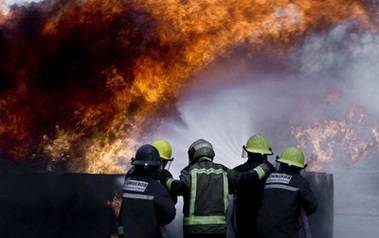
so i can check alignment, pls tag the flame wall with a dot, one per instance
(83, 82)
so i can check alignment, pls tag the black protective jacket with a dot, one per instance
(285, 194)
(248, 200)
(146, 207)
(205, 187)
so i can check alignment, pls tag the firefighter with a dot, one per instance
(204, 186)
(146, 205)
(165, 152)
(286, 195)
(248, 196)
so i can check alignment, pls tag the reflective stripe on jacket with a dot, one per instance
(146, 207)
(285, 194)
(205, 189)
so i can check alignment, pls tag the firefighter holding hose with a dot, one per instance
(146, 205)
(204, 186)
(248, 196)
(287, 195)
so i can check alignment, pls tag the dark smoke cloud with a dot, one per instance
(50, 79)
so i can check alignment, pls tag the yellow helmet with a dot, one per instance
(164, 148)
(258, 144)
(292, 156)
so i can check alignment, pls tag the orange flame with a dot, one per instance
(116, 204)
(331, 138)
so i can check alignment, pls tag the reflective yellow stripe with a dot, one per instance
(261, 173)
(169, 183)
(208, 171)
(226, 191)
(193, 192)
(204, 220)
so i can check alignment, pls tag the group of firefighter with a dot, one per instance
(268, 202)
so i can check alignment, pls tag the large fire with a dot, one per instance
(82, 82)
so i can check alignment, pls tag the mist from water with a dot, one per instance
(233, 100)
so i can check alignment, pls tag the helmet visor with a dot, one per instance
(244, 152)
(168, 164)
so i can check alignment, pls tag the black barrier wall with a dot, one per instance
(322, 221)
(56, 205)
(75, 205)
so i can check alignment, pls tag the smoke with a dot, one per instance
(352, 61)
(349, 61)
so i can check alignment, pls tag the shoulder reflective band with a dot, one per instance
(206, 220)
(120, 230)
(281, 186)
(169, 183)
(261, 173)
(138, 196)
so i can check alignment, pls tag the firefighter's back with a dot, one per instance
(206, 203)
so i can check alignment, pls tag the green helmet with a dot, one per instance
(292, 156)
(164, 148)
(200, 148)
(258, 144)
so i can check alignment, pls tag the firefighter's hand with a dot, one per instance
(164, 176)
